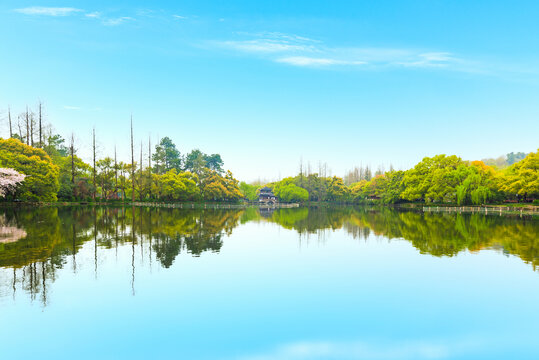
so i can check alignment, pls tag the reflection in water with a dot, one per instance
(9, 233)
(35, 243)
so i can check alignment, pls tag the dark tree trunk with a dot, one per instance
(9, 119)
(132, 165)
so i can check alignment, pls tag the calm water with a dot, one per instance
(343, 283)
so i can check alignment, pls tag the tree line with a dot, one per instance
(437, 179)
(53, 171)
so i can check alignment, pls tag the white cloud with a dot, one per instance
(432, 59)
(281, 36)
(95, 14)
(354, 350)
(271, 42)
(117, 21)
(65, 11)
(266, 46)
(147, 12)
(179, 17)
(313, 61)
(302, 51)
(48, 11)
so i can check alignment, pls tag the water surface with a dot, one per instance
(306, 283)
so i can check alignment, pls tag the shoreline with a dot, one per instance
(509, 209)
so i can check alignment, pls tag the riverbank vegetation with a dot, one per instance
(56, 173)
(51, 170)
(439, 179)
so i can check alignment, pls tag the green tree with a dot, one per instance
(41, 183)
(522, 178)
(55, 147)
(176, 187)
(337, 191)
(249, 191)
(195, 161)
(293, 193)
(287, 190)
(215, 187)
(166, 157)
(477, 183)
(392, 188)
(432, 179)
(105, 178)
(514, 158)
(68, 182)
(214, 162)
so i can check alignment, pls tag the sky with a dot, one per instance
(268, 84)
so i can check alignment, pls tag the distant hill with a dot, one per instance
(505, 161)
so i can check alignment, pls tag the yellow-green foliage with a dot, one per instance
(41, 183)
(215, 187)
(174, 186)
(449, 179)
(286, 190)
(522, 178)
(337, 191)
(249, 191)
(432, 179)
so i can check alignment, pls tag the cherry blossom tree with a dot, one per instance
(9, 179)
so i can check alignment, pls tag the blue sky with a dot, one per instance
(266, 83)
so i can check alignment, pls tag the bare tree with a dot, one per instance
(150, 166)
(21, 116)
(94, 154)
(141, 184)
(40, 124)
(132, 165)
(9, 119)
(32, 123)
(115, 171)
(72, 151)
(301, 171)
(322, 169)
(27, 118)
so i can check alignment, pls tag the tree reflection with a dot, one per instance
(49, 238)
(42, 240)
(438, 234)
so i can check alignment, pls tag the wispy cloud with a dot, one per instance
(117, 21)
(265, 46)
(354, 350)
(270, 42)
(305, 52)
(179, 17)
(95, 14)
(48, 11)
(315, 61)
(66, 11)
(432, 59)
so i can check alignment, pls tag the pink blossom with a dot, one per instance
(9, 179)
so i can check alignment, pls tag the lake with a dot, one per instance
(302, 283)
